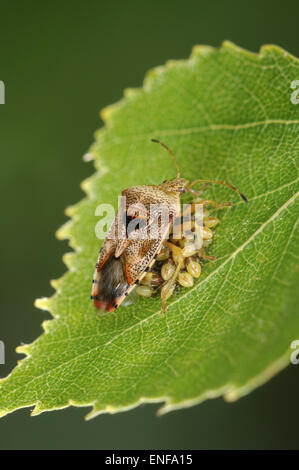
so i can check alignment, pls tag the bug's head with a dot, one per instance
(177, 185)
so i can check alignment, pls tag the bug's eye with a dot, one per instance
(182, 190)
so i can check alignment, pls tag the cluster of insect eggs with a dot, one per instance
(188, 250)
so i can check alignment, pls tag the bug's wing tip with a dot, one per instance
(104, 306)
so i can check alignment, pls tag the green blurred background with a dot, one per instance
(61, 63)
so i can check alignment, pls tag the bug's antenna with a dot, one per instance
(171, 154)
(220, 182)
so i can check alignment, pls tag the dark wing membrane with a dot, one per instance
(118, 276)
(110, 284)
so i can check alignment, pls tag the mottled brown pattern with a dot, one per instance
(134, 255)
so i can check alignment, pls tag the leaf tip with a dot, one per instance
(36, 410)
(43, 303)
(63, 232)
(107, 112)
(130, 92)
(67, 259)
(54, 283)
(200, 50)
(239, 390)
(23, 349)
(88, 157)
(47, 324)
(3, 413)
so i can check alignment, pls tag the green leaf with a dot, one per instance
(226, 114)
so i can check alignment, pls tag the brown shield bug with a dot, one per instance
(126, 257)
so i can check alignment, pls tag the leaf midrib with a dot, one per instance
(196, 130)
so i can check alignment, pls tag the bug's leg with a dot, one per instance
(163, 253)
(214, 204)
(168, 288)
(207, 202)
(189, 209)
(203, 256)
(190, 190)
(198, 192)
(223, 183)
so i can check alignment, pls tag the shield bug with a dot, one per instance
(139, 236)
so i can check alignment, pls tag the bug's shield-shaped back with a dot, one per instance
(134, 238)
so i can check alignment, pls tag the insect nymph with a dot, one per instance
(125, 257)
